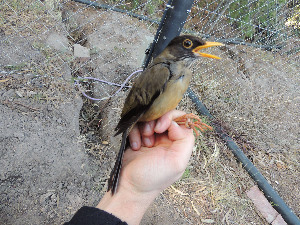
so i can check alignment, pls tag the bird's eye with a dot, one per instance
(187, 43)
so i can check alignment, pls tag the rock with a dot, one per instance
(9, 94)
(30, 93)
(19, 93)
(207, 221)
(58, 42)
(81, 52)
(262, 204)
(45, 197)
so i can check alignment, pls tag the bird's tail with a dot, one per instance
(115, 173)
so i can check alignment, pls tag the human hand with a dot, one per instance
(159, 153)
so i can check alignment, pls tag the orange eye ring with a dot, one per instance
(187, 43)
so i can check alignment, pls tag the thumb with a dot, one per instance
(183, 143)
(176, 132)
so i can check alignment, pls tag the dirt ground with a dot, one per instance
(57, 147)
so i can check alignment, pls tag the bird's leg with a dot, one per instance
(192, 121)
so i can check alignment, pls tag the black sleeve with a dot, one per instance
(94, 216)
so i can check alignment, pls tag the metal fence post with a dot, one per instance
(171, 25)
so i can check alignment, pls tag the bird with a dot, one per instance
(158, 90)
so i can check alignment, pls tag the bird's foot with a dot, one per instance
(192, 121)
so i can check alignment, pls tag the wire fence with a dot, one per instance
(49, 46)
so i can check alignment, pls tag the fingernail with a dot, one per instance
(158, 125)
(147, 141)
(134, 145)
(175, 124)
(147, 128)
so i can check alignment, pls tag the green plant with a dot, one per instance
(256, 17)
(16, 66)
(294, 20)
(186, 174)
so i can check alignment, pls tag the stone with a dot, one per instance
(58, 42)
(262, 204)
(81, 52)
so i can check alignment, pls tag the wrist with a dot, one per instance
(127, 205)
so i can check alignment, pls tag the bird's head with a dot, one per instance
(189, 47)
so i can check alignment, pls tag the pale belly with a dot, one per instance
(168, 100)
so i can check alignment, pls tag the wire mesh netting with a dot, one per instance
(52, 51)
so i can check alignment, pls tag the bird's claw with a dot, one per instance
(193, 121)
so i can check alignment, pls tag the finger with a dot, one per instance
(147, 128)
(148, 141)
(135, 138)
(176, 132)
(183, 144)
(162, 140)
(164, 122)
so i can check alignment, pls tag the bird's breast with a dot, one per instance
(169, 98)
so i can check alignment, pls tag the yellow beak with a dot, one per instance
(207, 45)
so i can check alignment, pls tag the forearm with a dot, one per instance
(126, 205)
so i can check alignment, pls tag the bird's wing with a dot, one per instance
(146, 89)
